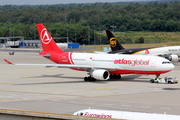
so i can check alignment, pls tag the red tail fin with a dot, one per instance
(47, 41)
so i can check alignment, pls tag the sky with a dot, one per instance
(49, 2)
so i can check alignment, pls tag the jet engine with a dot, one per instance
(172, 58)
(100, 74)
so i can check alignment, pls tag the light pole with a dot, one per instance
(13, 34)
(88, 36)
(34, 32)
(75, 35)
(113, 27)
(100, 35)
(10, 30)
(67, 34)
(94, 35)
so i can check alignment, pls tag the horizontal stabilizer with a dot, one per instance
(8, 62)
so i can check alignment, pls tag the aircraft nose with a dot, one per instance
(75, 113)
(171, 66)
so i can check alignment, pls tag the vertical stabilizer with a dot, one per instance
(47, 42)
(114, 43)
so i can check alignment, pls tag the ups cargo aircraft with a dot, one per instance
(171, 53)
(125, 115)
(99, 66)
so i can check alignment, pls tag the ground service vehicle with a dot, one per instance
(169, 80)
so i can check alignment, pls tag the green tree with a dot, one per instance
(140, 40)
(122, 28)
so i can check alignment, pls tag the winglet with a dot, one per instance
(146, 51)
(8, 62)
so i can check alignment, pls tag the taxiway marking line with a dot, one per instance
(89, 103)
(164, 108)
(107, 104)
(26, 76)
(126, 105)
(5, 83)
(52, 71)
(72, 102)
(145, 106)
(104, 89)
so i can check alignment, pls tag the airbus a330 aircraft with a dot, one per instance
(125, 115)
(171, 53)
(99, 66)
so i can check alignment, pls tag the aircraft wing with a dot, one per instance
(161, 54)
(100, 52)
(67, 66)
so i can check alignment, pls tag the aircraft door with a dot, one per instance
(153, 63)
(89, 59)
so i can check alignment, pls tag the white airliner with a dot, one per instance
(100, 66)
(125, 115)
(171, 52)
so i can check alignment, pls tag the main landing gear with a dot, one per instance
(114, 76)
(89, 78)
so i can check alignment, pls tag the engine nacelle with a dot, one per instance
(172, 58)
(100, 74)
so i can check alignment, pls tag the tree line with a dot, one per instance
(148, 16)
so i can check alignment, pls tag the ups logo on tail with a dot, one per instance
(113, 42)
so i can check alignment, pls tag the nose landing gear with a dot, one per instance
(157, 76)
(156, 79)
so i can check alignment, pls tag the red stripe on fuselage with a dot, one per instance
(138, 72)
(131, 71)
(77, 69)
(71, 58)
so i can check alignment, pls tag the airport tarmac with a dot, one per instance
(62, 90)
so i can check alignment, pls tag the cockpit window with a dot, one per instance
(166, 62)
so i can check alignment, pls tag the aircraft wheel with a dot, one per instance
(152, 81)
(118, 76)
(111, 76)
(169, 82)
(85, 79)
(92, 79)
(89, 78)
(115, 76)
